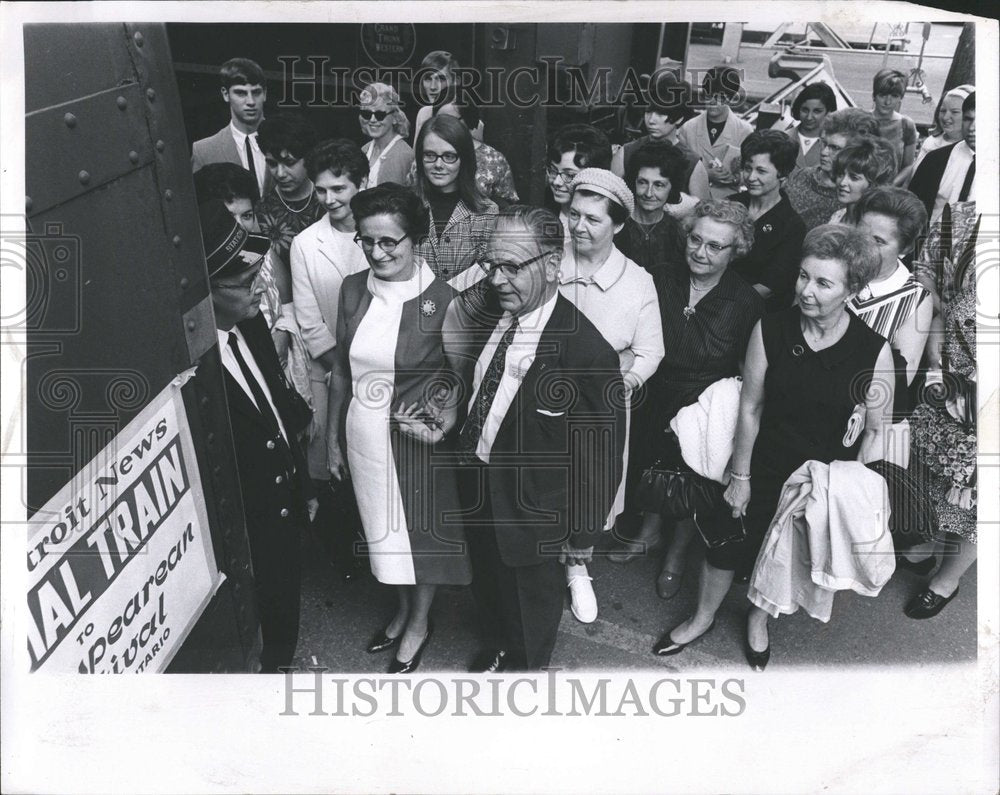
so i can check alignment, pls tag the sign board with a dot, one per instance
(120, 561)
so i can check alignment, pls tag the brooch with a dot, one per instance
(688, 311)
(767, 228)
(428, 308)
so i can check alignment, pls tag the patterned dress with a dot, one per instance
(281, 224)
(943, 427)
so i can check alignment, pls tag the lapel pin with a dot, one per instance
(767, 228)
(428, 308)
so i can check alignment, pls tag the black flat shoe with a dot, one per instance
(758, 659)
(921, 567)
(927, 604)
(398, 667)
(666, 646)
(380, 642)
(489, 661)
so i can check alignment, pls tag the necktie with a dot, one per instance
(251, 166)
(963, 195)
(263, 406)
(473, 429)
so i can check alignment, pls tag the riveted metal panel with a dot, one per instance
(99, 138)
(118, 300)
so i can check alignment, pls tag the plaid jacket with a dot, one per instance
(454, 256)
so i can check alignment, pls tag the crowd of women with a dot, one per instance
(779, 301)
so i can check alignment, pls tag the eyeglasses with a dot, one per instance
(432, 157)
(509, 269)
(247, 284)
(378, 115)
(386, 244)
(695, 242)
(566, 176)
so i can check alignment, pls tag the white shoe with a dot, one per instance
(583, 602)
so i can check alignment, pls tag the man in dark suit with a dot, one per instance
(543, 440)
(274, 480)
(948, 175)
(244, 92)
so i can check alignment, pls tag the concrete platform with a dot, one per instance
(338, 619)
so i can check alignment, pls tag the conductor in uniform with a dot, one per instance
(542, 442)
(277, 493)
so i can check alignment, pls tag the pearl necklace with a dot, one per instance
(289, 207)
(689, 309)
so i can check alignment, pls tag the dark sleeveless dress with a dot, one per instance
(809, 396)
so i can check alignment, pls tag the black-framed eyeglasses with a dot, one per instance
(248, 283)
(696, 242)
(386, 244)
(378, 115)
(432, 157)
(509, 269)
(566, 176)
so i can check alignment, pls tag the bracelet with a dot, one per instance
(745, 476)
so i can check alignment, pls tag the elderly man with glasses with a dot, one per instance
(542, 440)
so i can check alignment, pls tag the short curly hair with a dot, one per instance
(726, 212)
(662, 155)
(373, 92)
(847, 245)
(820, 91)
(775, 144)
(390, 198)
(872, 158)
(852, 122)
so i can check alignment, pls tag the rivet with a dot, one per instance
(176, 241)
(84, 177)
(133, 157)
(168, 194)
(70, 120)
(28, 203)
(191, 325)
(150, 95)
(138, 39)
(184, 282)
(122, 103)
(160, 146)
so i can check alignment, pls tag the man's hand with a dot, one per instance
(312, 506)
(571, 556)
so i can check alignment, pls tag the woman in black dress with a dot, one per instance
(808, 370)
(707, 313)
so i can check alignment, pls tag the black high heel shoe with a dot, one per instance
(380, 642)
(666, 646)
(757, 659)
(399, 667)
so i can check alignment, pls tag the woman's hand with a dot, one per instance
(335, 461)
(421, 422)
(737, 496)
(282, 342)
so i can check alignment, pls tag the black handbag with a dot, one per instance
(299, 413)
(676, 494)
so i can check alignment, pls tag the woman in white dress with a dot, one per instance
(619, 298)
(392, 390)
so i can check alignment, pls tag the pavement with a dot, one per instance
(338, 619)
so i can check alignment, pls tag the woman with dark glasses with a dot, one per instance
(383, 121)
(391, 389)
(461, 218)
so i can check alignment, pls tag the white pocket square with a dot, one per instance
(550, 413)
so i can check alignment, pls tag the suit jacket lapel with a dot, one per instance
(550, 342)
